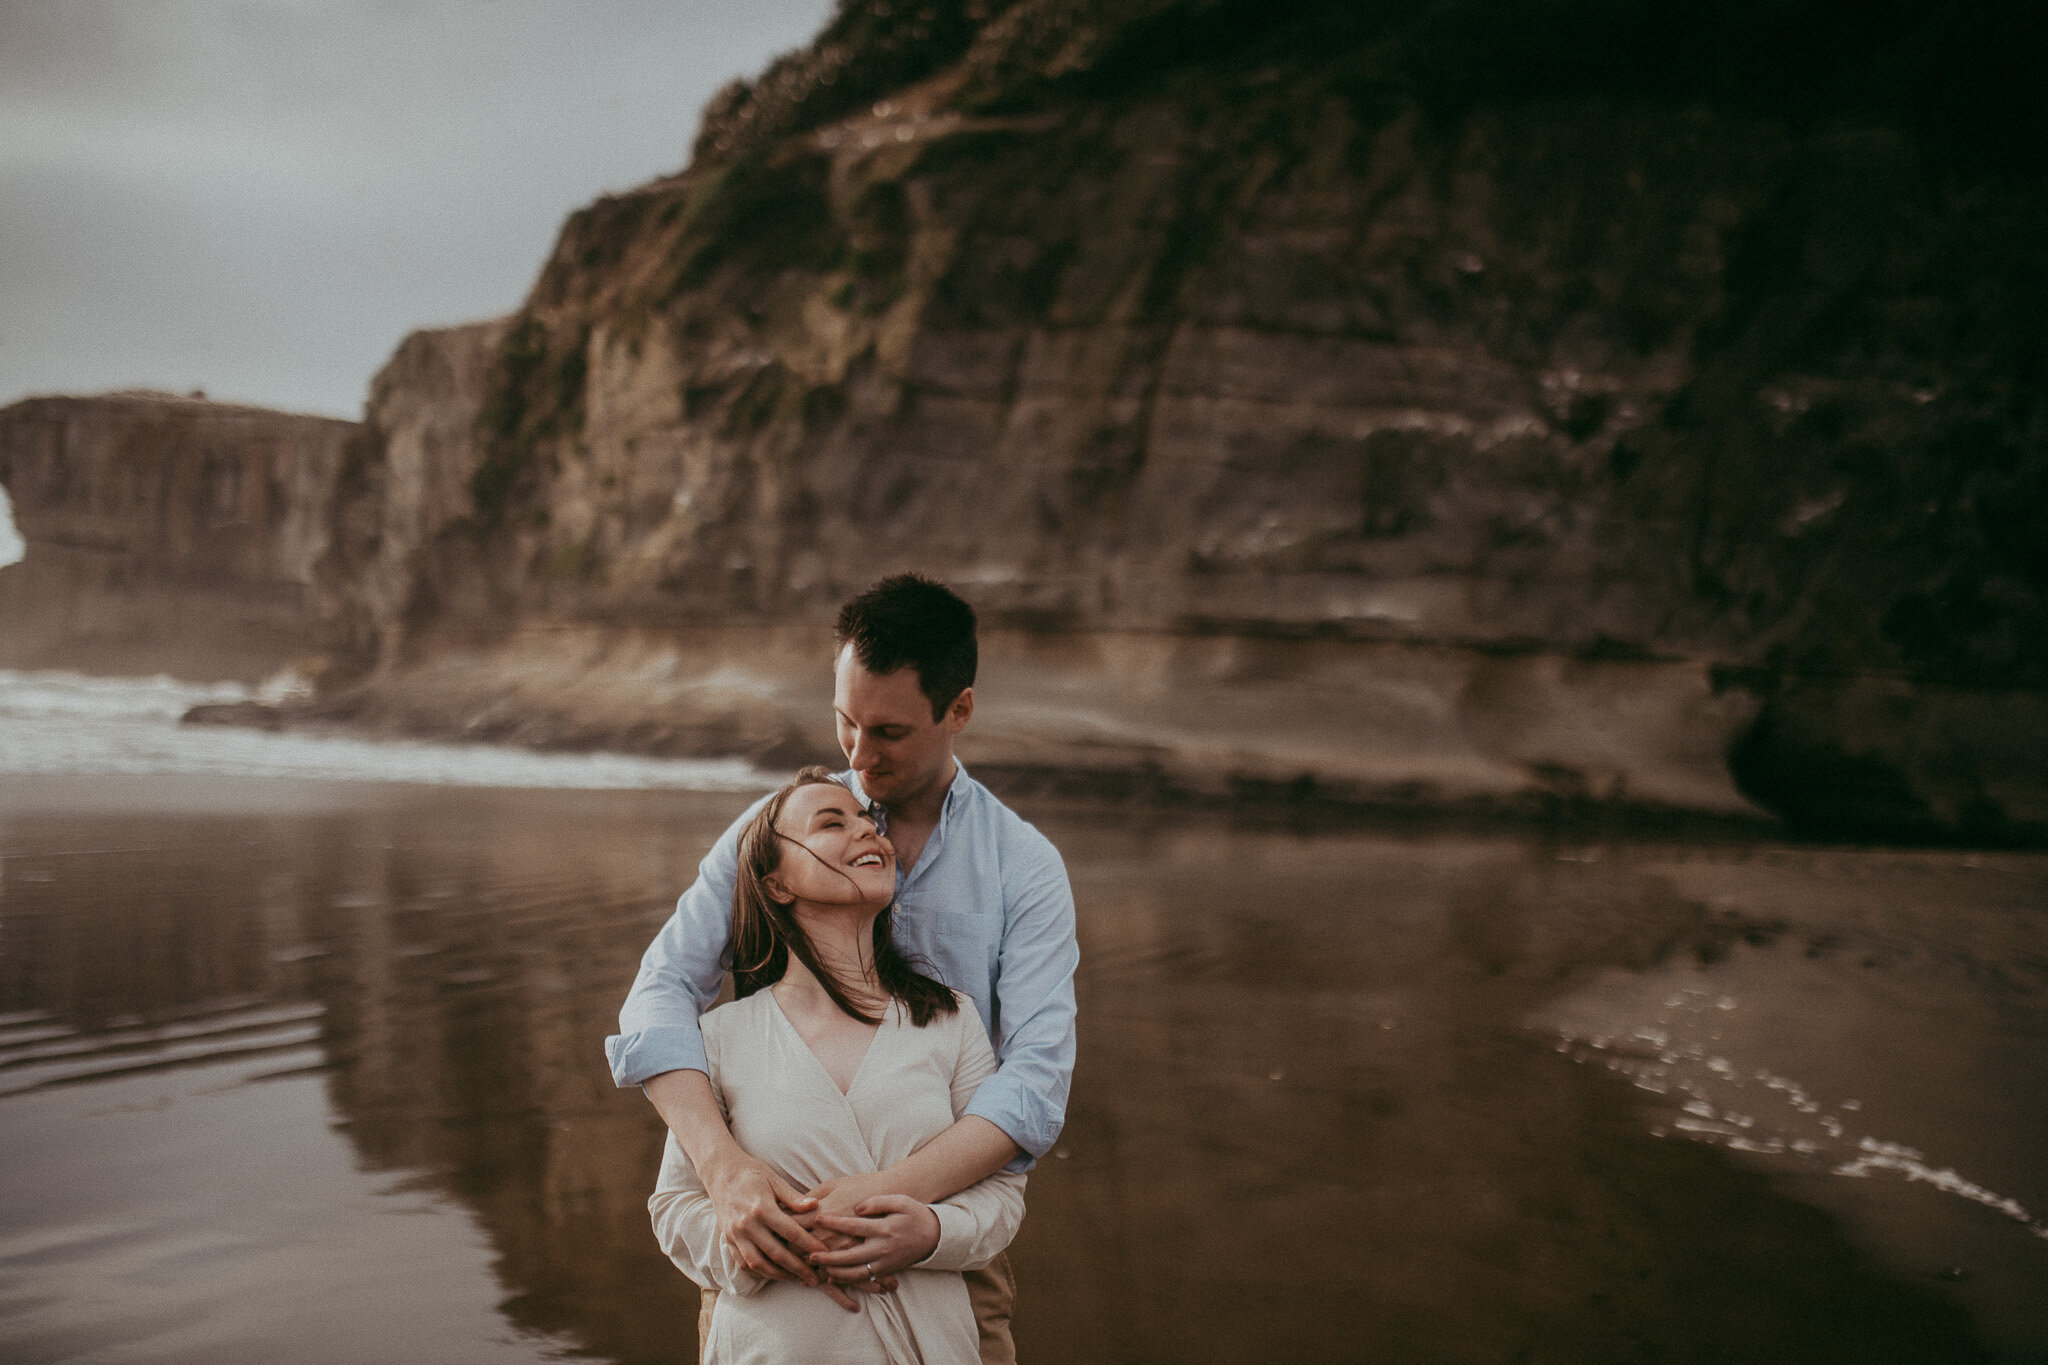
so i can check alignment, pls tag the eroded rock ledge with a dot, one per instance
(165, 534)
(1389, 403)
(1309, 399)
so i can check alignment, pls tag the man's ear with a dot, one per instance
(958, 713)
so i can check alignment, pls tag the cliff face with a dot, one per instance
(164, 533)
(404, 500)
(1409, 404)
(1404, 405)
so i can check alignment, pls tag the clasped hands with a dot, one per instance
(843, 1236)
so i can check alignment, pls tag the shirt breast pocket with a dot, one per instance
(960, 951)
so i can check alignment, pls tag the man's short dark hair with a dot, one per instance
(908, 620)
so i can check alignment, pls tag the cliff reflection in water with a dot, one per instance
(470, 983)
(1343, 1094)
(463, 953)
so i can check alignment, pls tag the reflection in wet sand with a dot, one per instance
(1321, 1111)
(454, 956)
(1888, 1028)
(1317, 1118)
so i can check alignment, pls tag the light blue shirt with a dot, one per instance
(987, 910)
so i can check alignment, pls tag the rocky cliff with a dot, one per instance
(1419, 404)
(1405, 403)
(165, 533)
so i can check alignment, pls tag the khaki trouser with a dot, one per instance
(992, 1291)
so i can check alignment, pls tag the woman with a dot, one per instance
(836, 1058)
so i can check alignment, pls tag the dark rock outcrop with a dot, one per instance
(165, 534)
(1548, 408)
(1415, 404)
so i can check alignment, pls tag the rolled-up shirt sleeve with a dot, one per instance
(680, 973)
(1035, 1014)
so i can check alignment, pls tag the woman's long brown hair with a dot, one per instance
(765, 933)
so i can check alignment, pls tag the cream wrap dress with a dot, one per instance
(784, 1108)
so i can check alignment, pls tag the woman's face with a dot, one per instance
(831, 851)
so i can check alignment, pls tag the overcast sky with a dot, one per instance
(261, 197)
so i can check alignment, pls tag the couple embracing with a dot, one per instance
(848, 1138)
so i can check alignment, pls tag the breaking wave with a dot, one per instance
(66, 723)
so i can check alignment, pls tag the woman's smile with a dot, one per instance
(848, 860)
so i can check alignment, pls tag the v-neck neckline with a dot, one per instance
(860, 1068)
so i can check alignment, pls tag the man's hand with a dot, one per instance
(755, 1209)
(752, 1203)
(895, 1232)
(841, 1193)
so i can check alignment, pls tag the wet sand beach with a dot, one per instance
(1502, 543)
(312, 1070)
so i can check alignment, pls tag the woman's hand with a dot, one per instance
(839, 1241)
(894, 1232)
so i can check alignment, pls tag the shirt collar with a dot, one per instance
(956, 791)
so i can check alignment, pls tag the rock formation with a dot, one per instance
(164, 533)
(1401, 406)
(1419, 404)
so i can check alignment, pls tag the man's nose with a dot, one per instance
(863, 749)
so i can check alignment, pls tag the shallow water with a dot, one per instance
(313, 1071)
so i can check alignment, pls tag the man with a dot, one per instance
(982, 901)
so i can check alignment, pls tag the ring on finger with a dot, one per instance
(871, 1272)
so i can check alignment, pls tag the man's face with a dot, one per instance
(887, 730)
